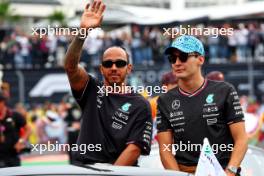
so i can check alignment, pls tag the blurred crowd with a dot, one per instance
(56, 122)
(145, 45)
(51, 122)
(60, 122)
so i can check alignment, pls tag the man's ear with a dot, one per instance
(129, 68)
(101, 69)
(201, 60)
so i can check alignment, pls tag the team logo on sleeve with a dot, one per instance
(125, 107)
(210, 98)
(175, 104)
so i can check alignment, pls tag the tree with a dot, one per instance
(57, 16)
(6, 14)
(4, 9)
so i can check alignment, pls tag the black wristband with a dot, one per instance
(80, 37)
(238, 171)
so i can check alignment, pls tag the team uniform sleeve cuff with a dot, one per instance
(164, 130)
(145, 149)
(236, 121)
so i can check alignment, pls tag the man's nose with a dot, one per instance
(178, 61)
(114, 67)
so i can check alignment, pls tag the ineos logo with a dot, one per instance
(175, 104)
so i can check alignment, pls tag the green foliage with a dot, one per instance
(6, 14)
(4, 9)
(57, 16)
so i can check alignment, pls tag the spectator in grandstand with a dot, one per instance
(241, 35)
(232, 46)
(196, 109)
(223, 46)
(118, 125)
(146, 48)
(93, 47)
(136, 46)
(44, 49)
(35, 52)
(24, 51)
(253, 40)
(146, 45)
(213, 44)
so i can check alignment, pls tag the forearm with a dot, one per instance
(91, 18)
(77, 75)
(165, 140)
(238, 153)
(73, 55)
(168, 161)
(128, 157)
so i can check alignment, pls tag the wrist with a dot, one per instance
(81, 37)
(234, 170)
(82, 34)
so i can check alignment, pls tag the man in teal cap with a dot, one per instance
(186, 44)
(196, 109)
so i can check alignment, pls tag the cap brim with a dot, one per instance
(169, 50)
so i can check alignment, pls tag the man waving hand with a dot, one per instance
(116, 127)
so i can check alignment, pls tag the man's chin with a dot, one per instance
(180, 75)
(115, 83)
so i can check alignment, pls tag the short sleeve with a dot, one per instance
(163, 123)
(233, 110)
(89, 92)
(141, 133)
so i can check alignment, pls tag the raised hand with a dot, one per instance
(92, 15)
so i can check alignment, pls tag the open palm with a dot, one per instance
(92, 15)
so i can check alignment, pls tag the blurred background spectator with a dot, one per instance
(18, 50)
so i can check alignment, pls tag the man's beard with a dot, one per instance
(119, 83)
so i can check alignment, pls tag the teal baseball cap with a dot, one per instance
(186, 44)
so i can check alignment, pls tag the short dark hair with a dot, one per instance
(121, 47)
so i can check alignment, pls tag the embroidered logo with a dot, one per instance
(175, 104)
(210, 98)
(125, 107)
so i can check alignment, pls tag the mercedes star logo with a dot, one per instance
(175, 104)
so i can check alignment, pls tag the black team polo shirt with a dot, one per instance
(111, 122)
(207, 112)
